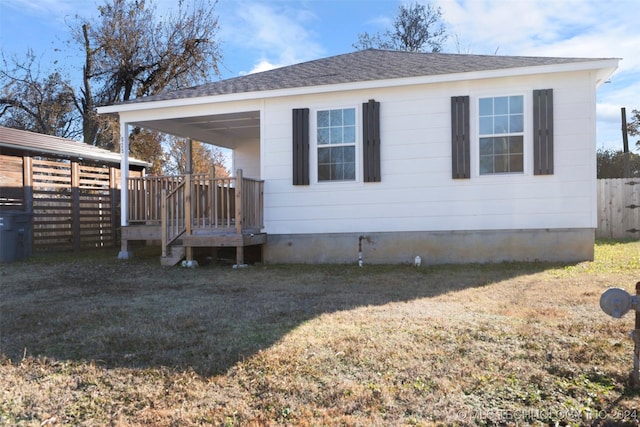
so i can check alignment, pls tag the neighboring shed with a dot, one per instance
(68, 189)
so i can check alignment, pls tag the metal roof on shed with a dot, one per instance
(38, 143)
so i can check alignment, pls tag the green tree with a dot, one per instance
(610, 164)
(416, 28)
(633, 127)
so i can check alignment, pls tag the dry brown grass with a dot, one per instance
(90, 340)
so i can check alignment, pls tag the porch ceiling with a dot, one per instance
(223, 130)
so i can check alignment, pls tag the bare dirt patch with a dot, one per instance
(90, 340)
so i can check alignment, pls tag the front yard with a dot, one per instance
(90, 340)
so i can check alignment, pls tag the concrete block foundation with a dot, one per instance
(434, 247)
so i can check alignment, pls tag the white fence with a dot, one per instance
(618, 209)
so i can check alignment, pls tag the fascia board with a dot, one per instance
(75, 154)
(188, 110)
(607, 66)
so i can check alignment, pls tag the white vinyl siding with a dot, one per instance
(417, 192)
(246, 156)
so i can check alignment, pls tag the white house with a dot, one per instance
(455, 158)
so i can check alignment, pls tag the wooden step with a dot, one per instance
(176, 255)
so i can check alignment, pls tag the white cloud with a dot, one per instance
(279, 34)
(264, 65)
(573, 28)
(381, 22)
(578, 28)
(517, 27)
(608, 112)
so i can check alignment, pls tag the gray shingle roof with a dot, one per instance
(359, 66)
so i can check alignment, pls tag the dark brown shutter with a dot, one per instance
(460, 142)
(301, 146)
(543, 132)
(371, 140)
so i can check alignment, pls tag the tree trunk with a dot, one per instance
(89, 118)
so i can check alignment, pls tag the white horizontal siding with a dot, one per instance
(417, 192)
(246, 156)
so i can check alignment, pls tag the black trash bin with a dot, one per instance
(15, 235)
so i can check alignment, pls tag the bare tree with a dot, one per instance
(42, 104)
(130, 52)
(416, 28)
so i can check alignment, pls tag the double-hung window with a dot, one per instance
(336, 144)
(501, 134)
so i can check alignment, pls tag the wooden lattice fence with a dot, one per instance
(618, 208)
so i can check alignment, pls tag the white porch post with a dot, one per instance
(188, 205)
(125, 252)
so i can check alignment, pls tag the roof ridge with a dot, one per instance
(359, 66)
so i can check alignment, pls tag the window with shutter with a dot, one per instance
(543, 132)
(371, 140)
(301, 146)
(336, 144)
(460, 140)
(501, 131)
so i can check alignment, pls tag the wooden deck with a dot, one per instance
(191, 211)
(201, 238)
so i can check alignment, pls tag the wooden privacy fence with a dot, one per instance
(73, 205)
(618, 208)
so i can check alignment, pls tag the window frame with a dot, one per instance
(314, 146)
(527, 155)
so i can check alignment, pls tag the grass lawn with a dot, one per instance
(86, 339)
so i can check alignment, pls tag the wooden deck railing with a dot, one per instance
(213, 202)
(173, 218)
(222, 204)
(145, 197)
(252, 204)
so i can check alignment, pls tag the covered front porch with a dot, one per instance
(197, 210)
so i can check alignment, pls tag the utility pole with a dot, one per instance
(625, 144)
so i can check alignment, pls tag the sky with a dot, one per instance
(256, 35)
